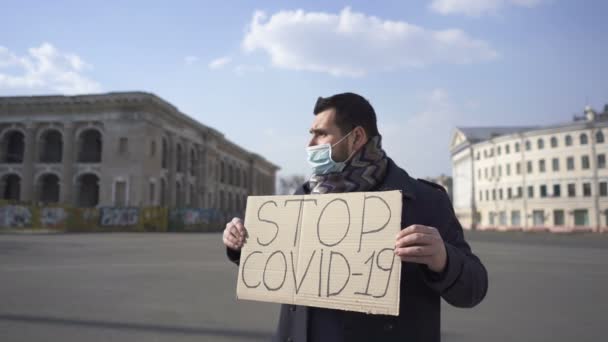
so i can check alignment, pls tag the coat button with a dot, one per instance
(388, 327)
(292, 308)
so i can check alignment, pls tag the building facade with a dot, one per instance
(122, 149)
(533, 178)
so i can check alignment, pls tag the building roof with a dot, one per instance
(475, 134)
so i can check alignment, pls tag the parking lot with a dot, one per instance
(180, 287)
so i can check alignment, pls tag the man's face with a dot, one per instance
(325, 131)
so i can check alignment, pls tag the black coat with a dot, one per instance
(463, 283)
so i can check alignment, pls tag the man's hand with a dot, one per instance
(422, 245)
(235, 234)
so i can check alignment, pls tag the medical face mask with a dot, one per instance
(320, 160)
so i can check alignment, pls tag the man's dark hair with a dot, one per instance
(352, 110)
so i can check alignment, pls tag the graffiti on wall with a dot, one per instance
(53, 216)
(15, 216)
(194, 216)
(115, 217)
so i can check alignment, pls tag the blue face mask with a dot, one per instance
(320, 160)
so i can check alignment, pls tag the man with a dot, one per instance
(346, 155)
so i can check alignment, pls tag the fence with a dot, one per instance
(108, 219)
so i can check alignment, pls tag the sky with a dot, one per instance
(253, 69)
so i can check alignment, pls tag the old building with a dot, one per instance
(122, 149)
(546, 177)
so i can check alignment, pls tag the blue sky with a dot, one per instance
(253, 70)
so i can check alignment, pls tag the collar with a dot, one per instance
(397, 179)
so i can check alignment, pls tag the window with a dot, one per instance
(553, 142)
(571, 190)
(499, 171)
(585, 162)
(541, 165)
(152, 193)
(530, 191)
(487, 195)
(529, 167)
(478, 173)
(493, 194)
(492, 173)
(601, 161)
(528, 145)
(480, 195)
(603, 189)
(519, 192)
(509, 193)
(508, 169)
(500, 194)
(515, 218)
(581, 217)
(538, 218)
(568, 140)
(123, 145)
(570, 163)
(485, 172)
(120, 193)
(518, 168)
(491, 214)
(516, 147)
(478, 156)
(558, 217)
(152, 148)
(599, 137)
(498, 150)
(583, 139)
(543, 191)
(540, 143)
(557, 190)
(555, 164)
(507, 149)
(502, 218)
(587, 189)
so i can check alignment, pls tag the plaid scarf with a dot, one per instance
(362, 173)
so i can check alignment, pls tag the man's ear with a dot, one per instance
(360, 137)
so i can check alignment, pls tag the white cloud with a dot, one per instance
(353, 44)
(189, 60)
(476, 8)
(219, 62)
(46, 68)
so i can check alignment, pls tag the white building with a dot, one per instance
(549, 178)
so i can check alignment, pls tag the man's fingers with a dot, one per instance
(415, 239)
(415, 251)
(415, 228)
(238, 223)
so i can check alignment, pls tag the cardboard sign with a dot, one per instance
(332, 251)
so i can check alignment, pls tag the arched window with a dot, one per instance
(164, 155)
(553, 142)
(90, 145)
(178, 153)
(599, 137)
(540, 143)
(583, 139)
(568, 140)
(51, 147)
(528, 145)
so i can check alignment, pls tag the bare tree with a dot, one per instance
(289, 184)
